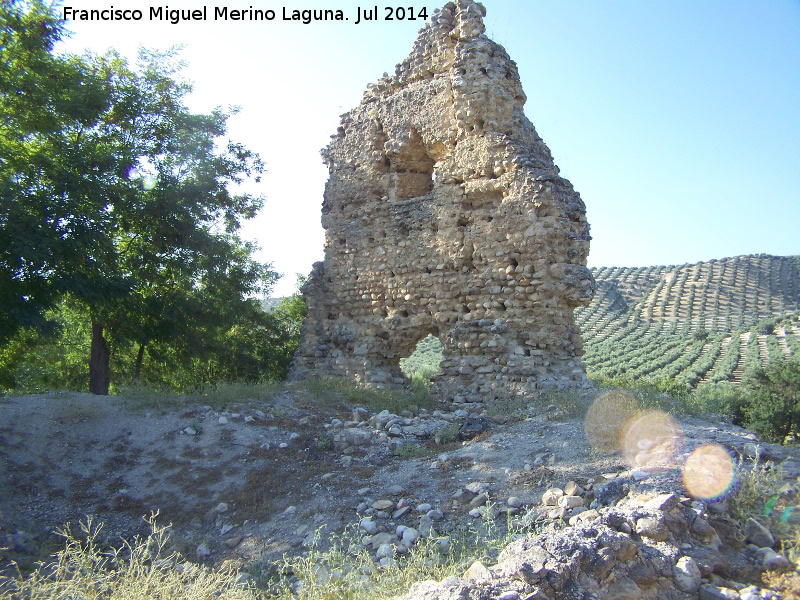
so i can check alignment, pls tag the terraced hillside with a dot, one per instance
(705, 322)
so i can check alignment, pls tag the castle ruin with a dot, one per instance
(445, 215)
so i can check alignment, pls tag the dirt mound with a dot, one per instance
(257, 479)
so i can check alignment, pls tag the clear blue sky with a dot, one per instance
(678, 122)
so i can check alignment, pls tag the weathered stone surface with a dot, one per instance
(445, 214)
(623, 589)
(686, 575)
(477, 571)
(772, 561)
(369, 526)
(653, 528)
(757, 534)
(712, 592)
(569, 502)
(663, 502)
(380, 539)
(551, 496)
(383, 505)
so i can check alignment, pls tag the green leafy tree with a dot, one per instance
(771, 400)
(36, 361)
(114, 195)
(176, 231)
(56, 172)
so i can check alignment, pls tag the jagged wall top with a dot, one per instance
(461, 20)
(445, 215)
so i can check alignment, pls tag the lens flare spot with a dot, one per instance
(708, 472)
(653, 442)
(149, 182)
(607, 417)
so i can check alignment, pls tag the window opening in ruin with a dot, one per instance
(424, 361)
(413, 170)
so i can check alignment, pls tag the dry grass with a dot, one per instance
(347, 570)
(787, 584)
(140, 570)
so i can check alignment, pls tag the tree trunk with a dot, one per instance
(99, 373)
(139, 359)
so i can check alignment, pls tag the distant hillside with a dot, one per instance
(706, 322)
(270, 304)
(703, 323)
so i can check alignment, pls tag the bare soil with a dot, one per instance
(65, 456)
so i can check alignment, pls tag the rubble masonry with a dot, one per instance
(445, 215)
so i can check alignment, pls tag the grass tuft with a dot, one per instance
(338, 390)
(140, 570)
(347, 570)
(219, 396)
(761, 494)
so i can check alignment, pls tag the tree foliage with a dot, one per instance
(55, 171)
(119, 210)
(258, 346)
(175, 231)
(771, 400)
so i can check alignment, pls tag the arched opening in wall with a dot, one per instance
(412, 169)
(424, 362)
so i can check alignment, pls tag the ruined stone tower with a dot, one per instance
(445, 214)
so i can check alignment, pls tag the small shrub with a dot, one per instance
(765, 327)
(145, 396)
(325, 442)
(508, 408)
(669, 395)
(571, 402)
(754, 487)
(226, 393)
(448, 434)
(220, 395)
(607, 417)
(760, 494)
(771, 400)
(411, 450)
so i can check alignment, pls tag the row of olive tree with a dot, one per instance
(116, 205)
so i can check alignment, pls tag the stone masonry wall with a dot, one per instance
(445, 214)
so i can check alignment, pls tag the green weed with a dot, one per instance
(761, 494)
(325, 442)
(409, 451)
(447, 434)
(335, 391)
(219, 396)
